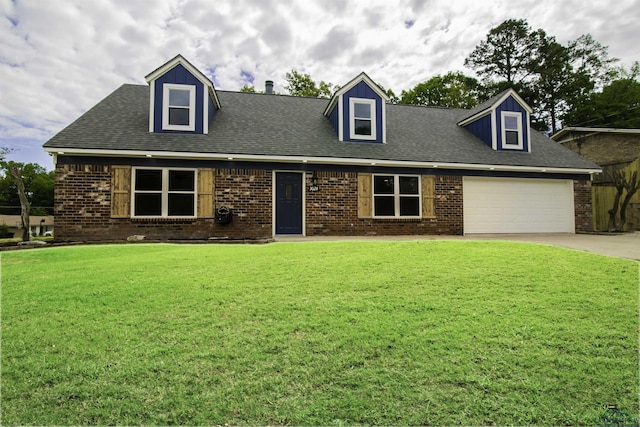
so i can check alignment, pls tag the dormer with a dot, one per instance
(181, 98)
(357, 111)
(502, 122)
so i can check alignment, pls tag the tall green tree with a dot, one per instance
(553, 83)
(20, 173)
(452, 90)
(248, 89)
(616, 106)
(299, 84)
(551, 77)
(591, 60)
(508, 53)
(39, 186)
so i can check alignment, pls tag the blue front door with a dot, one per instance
(288, 203)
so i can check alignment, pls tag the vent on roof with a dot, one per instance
(268, 87)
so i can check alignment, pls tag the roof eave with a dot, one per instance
(343, 161)
(569, 129)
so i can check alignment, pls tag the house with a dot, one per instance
(39, 225)
(179, 159)
(603, 146)
(611, 149)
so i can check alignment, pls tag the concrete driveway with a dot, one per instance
(623, 245)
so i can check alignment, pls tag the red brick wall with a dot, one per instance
(247, 192)
(582, 206)
(83, 208)
(333, 210)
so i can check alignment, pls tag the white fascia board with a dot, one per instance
(494, 131)
(340, 120)
(205, 115)
(476, 116)
(569, 129)
(152, 89)
(312, 160)
(493, 107)
(518, 99)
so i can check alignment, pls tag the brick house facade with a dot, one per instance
(168, 162)
(83, 208)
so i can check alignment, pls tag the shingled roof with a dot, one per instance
(286, 126)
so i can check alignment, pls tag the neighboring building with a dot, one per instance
(602, 146)
(181, 160)
(611, 149)
(38, 225)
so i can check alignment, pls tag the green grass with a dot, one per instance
(406, 333)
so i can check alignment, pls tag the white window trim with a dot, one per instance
(165, 107)
(352, 119)
(396, 196)
(165, 193)
(518, 116)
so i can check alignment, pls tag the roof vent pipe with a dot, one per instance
(268, 87)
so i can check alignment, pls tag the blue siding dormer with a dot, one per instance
(503, 122)
(357, 111)
(482, 129)
(182, 99)
(510, 107)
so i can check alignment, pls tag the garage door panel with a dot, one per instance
(516, 205)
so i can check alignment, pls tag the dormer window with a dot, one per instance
(179, 107)
(362, 118)
(512, 130)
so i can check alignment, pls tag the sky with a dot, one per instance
(58, 58)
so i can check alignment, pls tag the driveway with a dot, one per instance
(623, 245)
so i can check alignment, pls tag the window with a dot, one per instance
(178, 107)
(511, 130)
(396, 196)
(362, 118)
(164, 193)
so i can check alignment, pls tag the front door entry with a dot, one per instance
(289, 202)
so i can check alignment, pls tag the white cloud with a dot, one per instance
(60, 57)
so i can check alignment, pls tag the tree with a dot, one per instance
(553, 82)
(452, 90)
(552, 78)
(591, 60)
(507, 53)
(616, 106)
(14, 170)
(248, 89)
(622, 183)
(39, 185)
(303, 85)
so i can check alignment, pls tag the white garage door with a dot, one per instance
(516, 205)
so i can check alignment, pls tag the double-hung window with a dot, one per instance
(164, 193)
(362, 118)
(396, 196)
(178, 107)
(512, 130)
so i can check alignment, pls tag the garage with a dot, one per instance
(518, 205)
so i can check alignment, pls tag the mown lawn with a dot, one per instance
(324, 333)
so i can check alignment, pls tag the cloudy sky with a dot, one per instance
(58, 58)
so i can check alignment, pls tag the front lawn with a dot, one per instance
(324, 333)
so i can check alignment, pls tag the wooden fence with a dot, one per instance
(602, 197)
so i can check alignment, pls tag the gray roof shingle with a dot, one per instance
(277, 125)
